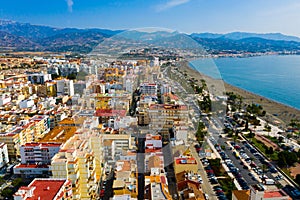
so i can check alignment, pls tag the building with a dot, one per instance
(4, 99)
(241, 195)
(156, 186)
(80, 161)
(39, 78)
(125, 178)
(32, 170)
(45, 189)
(3, 155)
(26, 103)
(41, 153)
(114, 145)
(163, 116)
(257, 192)
(148, 89)
(65, 87)
(12, 140)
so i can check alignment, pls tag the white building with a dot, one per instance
(165, 89)
(3, 155)
(65, 87)
(148, 88)
(41, 153)
(26, 103)
(31, 170)
(39, 78)
(4, 99)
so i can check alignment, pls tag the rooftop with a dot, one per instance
(274, 194)
(45, 189)
(59, 134)
(241, 194)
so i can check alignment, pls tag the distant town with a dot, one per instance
(74, 127)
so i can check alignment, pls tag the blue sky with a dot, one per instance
(188, 16)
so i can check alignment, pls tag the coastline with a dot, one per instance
(277, 113)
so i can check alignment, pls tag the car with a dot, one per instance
(214, 181)
(102, 192)
(246, 187)
(217, 187)
(272, 170)
(220, 192)
(279, 177)
(245, 167)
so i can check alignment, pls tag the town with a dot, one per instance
(81, 128)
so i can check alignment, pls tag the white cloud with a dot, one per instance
(170, 4)
(70, 5)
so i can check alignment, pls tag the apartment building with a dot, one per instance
(4, 159)
(65, 87)
(46, 189)
(163, 116)
(148, 89)
(35, 152)
(80, 160)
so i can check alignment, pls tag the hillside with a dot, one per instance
(24, 36)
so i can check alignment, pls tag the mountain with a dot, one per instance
(253, 45)
(243, 35)
(37, 31)
(8, 40)
(24, 36)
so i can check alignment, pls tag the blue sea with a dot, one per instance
(275, 77)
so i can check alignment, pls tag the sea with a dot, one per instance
(276, 77)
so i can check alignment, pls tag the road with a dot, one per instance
(206, 186)
(169, 168)
(140, 165)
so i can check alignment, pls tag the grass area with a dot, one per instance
(227, 185)
(273, 139)
(287, 172)
(263, 148)
(217, 167)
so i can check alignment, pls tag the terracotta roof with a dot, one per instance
(241, 194)
(274, 194)
(109, 113)
(45, 189)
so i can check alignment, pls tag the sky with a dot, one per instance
(188, 16)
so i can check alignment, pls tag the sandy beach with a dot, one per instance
(277, 113)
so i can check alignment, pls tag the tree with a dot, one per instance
(280, 139)
(269, 151)
(247, 125)
(298, 179)
(287, 158)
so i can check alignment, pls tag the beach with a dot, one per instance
(277, 113)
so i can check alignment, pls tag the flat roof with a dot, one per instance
(274, 194)
(59, 134)
(45, 189)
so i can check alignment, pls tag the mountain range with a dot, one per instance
(27, 37)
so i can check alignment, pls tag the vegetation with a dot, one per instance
(273, 155)
(297, 179)
(227, 186)
(256, 109)
(287, 158)
(201, 132)
(235, 101)
(217, 167)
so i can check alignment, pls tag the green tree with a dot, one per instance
(7, 193)
(287, 158)
(297, 179)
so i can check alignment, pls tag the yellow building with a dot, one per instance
(80, 161)
(12, 141)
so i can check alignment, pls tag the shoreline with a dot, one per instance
(284, 113)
